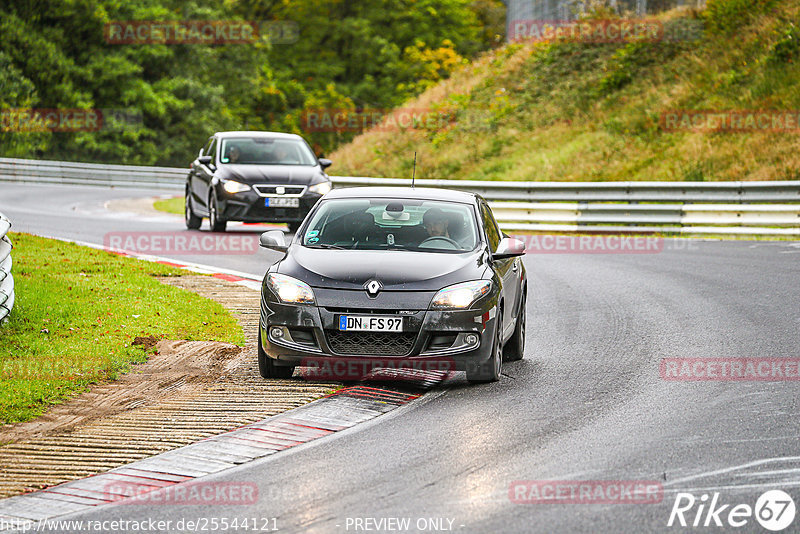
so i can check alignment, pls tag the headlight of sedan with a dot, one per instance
(320, 188)
(290, 290)
(461, 295)
(235, 187)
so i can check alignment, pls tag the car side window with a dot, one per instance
(490, 226)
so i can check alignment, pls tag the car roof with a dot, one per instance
(280, 135)
(421, 193)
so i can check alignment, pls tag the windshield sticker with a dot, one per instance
(312, 233)
(313, 240)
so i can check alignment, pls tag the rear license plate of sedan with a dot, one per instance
(370, 323)
(279, 202)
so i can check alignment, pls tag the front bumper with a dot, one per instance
(456, 339)
(249, 206)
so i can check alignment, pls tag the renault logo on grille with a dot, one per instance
(373, 287)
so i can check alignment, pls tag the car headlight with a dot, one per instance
(290, 290)
(461, 295)
(320, 188)
(235, 187)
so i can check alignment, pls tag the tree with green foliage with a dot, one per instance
(348, 54)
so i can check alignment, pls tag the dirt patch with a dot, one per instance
(177, 368)
(146, 342)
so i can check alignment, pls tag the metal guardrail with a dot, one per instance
(63, 172)
(746, 208)
(6, 280)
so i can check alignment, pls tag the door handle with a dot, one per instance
(514, 266)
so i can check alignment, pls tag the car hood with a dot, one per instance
(276, 174)
(396, 270)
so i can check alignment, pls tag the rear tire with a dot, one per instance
(267, 367)
(193, 222)
(490, 371)
(515, 348)
(216, 224)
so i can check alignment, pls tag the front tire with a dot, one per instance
(490, 371)
(515, 348)
(216, 224)
(193, 222)
(267, 367)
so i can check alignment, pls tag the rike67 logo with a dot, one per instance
(774, 510)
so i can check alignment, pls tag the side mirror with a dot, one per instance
(274, 239)
(509, 248)
(204, 160)
(325, 163)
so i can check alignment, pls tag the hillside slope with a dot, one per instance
(577, 111)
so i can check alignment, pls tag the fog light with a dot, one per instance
(276, 332)
(471, 339)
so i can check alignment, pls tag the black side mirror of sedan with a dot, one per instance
(509, 248)
(274, 239)
(325, 163)
(204, 160)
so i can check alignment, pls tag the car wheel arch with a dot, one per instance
(501, 315)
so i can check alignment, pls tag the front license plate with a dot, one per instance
(278, 202)
(370, 323)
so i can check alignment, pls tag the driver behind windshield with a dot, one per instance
(234, 154)
(436, 223)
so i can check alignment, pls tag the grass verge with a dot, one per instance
(170, 205)
(76, 314)
(568, 111)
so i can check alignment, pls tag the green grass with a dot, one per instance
(76, 313)
(170, 205)
(592, 112)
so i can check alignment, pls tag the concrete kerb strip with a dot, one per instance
(149, 480)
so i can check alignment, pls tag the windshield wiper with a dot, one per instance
(326, 246)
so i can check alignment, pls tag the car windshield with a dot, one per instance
(266, 151)
(393, 224)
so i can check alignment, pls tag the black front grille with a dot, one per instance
(371, 343)
(272, 189)
(363, 311)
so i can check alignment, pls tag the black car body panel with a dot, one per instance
(396, 269)
(409, 280)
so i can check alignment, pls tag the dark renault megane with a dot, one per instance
(395, 274)
(254, 177)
